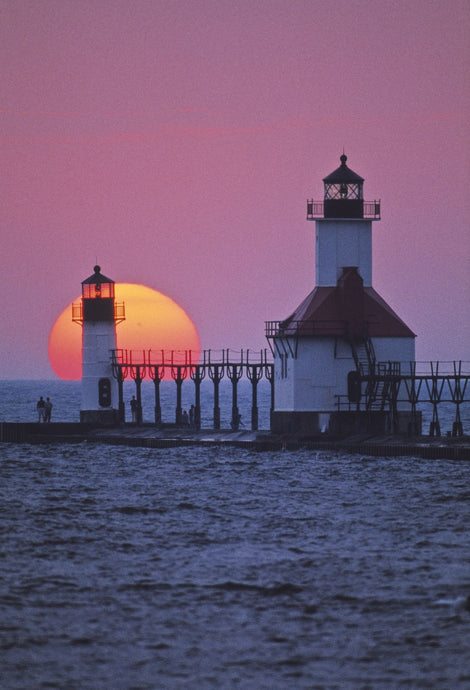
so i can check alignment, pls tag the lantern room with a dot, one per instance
(97, 303)
(343, 193)
(98, 297)
(97, 286)
(343, 197)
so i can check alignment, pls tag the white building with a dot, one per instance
(334, 356)
(98, 314)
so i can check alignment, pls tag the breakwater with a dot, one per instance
(171, 436)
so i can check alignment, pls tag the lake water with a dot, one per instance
(18, 402)
(227, 568)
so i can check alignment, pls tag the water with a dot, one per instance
(19, 398)
(18, 403)
(226, 568)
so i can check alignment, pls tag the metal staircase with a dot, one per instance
(361, 357)
(377, 388)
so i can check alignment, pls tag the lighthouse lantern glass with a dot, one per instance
(343, 190)
(98, 290)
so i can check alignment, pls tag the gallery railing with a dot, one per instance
(369, 210)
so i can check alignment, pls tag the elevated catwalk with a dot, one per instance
(378, 391)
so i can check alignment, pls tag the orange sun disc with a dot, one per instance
(153, 322)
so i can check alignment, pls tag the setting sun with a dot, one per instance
(153, 321)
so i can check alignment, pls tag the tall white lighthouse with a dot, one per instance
(335, 355)
(98, 315)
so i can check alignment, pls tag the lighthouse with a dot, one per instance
(337, 355)
(98, 314)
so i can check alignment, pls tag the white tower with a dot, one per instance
(330, 355)
(98, 315)
(343, 236)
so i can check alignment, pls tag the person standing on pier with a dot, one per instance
(41, 408)
(48, 410)
(134, 406)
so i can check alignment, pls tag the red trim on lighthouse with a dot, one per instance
(348, 307)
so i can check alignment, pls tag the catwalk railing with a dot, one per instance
(391, 385)
(182, 365)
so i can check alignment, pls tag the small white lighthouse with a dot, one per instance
(333, 354)
(98, 315)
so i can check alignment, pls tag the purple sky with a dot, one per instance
(176, 142)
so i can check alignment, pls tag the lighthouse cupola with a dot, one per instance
(98, 297)
(343, 193)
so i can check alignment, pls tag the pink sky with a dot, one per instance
(176, 142)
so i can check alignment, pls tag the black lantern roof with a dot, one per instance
(97, 278)
(343, 174)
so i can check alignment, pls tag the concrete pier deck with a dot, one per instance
(149, 436)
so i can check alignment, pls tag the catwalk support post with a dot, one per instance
(216, 374)
(254, 373)
(235, 372)
(157, 373)
(178, 374)
(198, 373)
(138, 374)
(269, 374)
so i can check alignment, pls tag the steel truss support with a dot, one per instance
(434, 386)
(413, 389)
(138, 374)
(157, 373)
(269, 374)
(457, 387)
(138, 371)
(198, 373)
(216, 374)
(178, 374)
(120, 372)
(234, 373)
(254, 373)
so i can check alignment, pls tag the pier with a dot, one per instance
(383, 391)
(170, 436)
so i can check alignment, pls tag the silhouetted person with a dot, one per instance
(236, 421)
(134, 406)
(41, 408)
(48, 410)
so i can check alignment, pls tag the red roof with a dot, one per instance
(348, 307)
